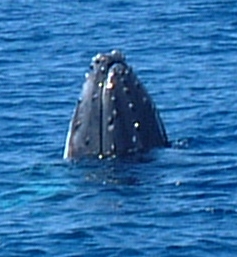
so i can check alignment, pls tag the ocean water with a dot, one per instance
(180, 201)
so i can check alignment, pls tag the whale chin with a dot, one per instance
(115, 116)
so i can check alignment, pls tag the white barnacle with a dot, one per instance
(109, 83)
(93, 59)
(100, 156)
(127, 71)
(87, 141)
(131, 105)
(114, 52)
(107, 153)
(115, 112)
(86, 75)
(118, 55)
(97, 57)
(110, 119)
(104, 58)
(113, 98)
(110, 127)
(77, 124)
(112, 147)
(100, 84)
(125, 89)
(136, 124)
(134, 139)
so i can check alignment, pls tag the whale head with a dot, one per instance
(115, 115)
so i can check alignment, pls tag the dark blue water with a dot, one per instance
(174, 202)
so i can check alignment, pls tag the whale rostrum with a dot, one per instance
(115, 116)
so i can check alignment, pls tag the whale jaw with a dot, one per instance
(115, 115)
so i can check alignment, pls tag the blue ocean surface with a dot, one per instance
(180, 201)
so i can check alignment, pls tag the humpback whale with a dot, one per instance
(115, 115)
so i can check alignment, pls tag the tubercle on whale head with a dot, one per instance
(103, 61)
(104, 66)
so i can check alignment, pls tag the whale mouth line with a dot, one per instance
(109, 83)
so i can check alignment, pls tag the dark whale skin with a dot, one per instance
(115, 116)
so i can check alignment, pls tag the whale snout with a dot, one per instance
(116, 116)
